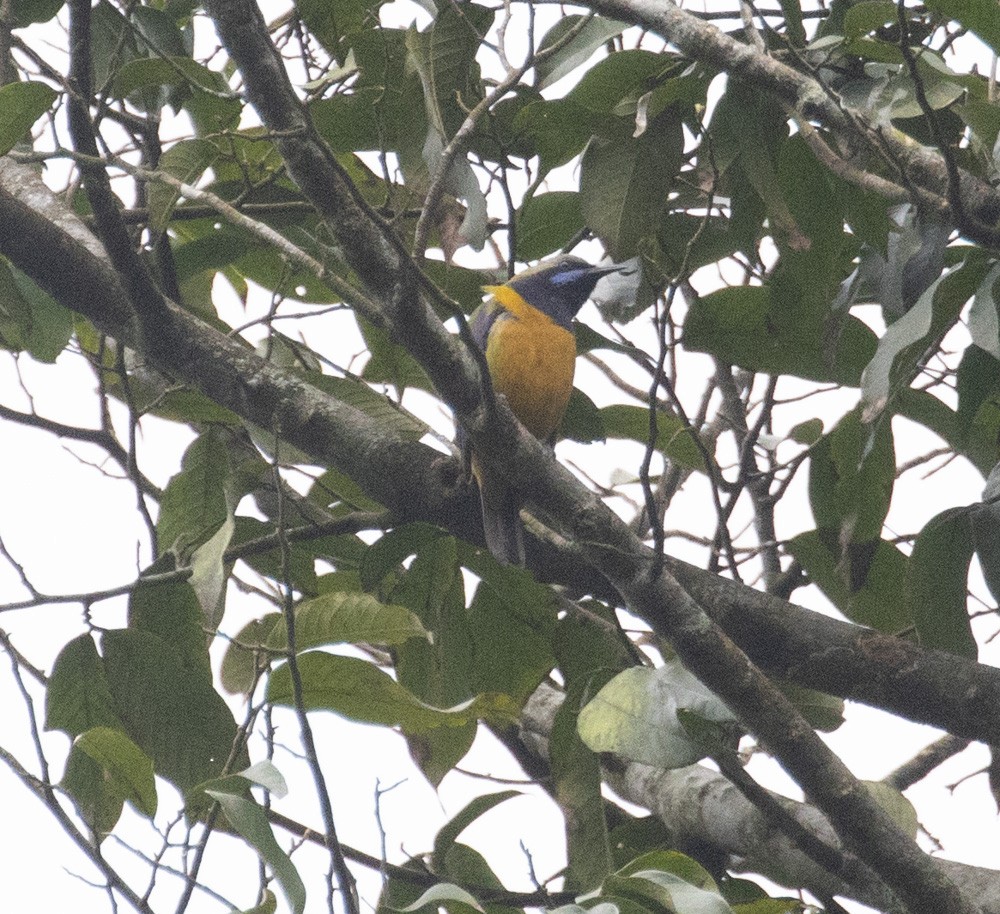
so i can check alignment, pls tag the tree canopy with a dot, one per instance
(255, 232)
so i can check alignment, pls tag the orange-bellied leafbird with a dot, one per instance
(525, 330)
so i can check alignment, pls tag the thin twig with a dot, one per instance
(340, 874)
(44, 792)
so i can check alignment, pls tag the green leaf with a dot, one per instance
(638, 836)
(21, 104)
(170, 610)
(911, 328)
(767, 905)
(986, 532)
(175, 71)
(160, 32)
(937, 585)
(444, 58)
(30, 319)
(193, 506)
(983, 121)
(863, 18)
(621, 78)
(78, 697)
(558, 129)
(887, 93)
(748, 131)
(335, 487)
(351, 618)
(807, 432)
(266, 774)
(867, 583)
(177, 719)
(670, 861)
(50, 325)
(450, 897)
(441, 672)
(15, 312)
(923, 407)
(812, 249)
(390, 363)
(350, 121)
(673, 437)
(213, 113)
(98, 799)
(590, 653)
(686, 241)
(901, 350)
(375, 404)
(577, 51)
(739, 325)
(360, 691)
(984, 321)
(128, 769)
(449, 833)
(582, 421)
(635, 716)
(297, 567)
(624, 183)
(188, 406)
(387, 553)
(334, 24)
(246, 657)
(438, 751)
(576, 772)
(896, 805)
(978, 413)
(210, 573)
(668, 880)
(270, 904)
(463, 865)
(851, 477)
(112, 41)
(27, 12)
(547, 222)
(187, 161)
(511, 623)
(824, 712)
(250, 820)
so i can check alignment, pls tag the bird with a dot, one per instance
(525, 331)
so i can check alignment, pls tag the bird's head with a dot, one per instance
(559, 287)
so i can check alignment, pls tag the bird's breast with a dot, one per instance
(531, 360)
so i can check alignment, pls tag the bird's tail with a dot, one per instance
(501, 519)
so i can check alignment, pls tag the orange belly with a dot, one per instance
(532, 360)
